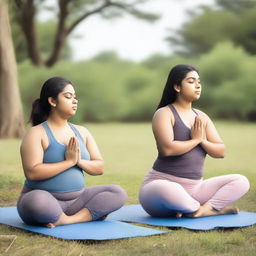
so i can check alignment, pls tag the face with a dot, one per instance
(66, 103)
(190, 88)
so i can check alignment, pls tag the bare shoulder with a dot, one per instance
(34, 131)
(33, 134)
(202, 114)
(82, 130)
(163, 113)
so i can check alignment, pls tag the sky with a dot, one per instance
(132, 38)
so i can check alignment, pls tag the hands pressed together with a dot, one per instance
(198, 129)
(73, 152)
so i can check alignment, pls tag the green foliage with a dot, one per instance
(110, 89)
(227, 75)
(140, 87)
(245, 35)
(236, 6)
(232, 20)
(196, 37)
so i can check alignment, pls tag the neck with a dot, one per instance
(56, 120)
(183, 104)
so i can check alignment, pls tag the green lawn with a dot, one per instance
(129, 151)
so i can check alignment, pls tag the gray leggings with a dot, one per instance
(42, 207)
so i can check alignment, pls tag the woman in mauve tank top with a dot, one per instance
(184, 136)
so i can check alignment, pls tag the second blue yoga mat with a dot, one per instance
(136, 214)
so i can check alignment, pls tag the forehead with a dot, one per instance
(69, 88)
(192, 74)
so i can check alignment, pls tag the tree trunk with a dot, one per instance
(27, 22)
(57, 48)
(11, 114)
(60, 34)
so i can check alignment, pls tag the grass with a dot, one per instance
(129, 152)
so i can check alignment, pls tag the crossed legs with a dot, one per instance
(42, 207)
(165, 198)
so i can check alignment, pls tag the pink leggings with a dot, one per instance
(162, 195)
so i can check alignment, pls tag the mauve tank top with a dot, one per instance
(188, 165)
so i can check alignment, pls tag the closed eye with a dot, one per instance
(69, 95)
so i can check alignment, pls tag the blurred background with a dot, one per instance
(118, 55)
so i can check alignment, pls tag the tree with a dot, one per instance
(70, 15)
(231, 21)
(11, 116)
(237, 6)
(46, 31)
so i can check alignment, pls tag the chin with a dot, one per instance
(195, 99)
(71, 114)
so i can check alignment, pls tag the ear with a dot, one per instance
(176, 88)
(52, 102)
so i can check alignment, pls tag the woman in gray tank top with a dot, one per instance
(175, 185)
(55, 155)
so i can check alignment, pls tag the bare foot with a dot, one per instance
(174, 214)
(229, 210)
(50, 225)
(207, 210)
(83, 215)
(63, 219)
(178, 215)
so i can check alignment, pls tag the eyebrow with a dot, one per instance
(193, 78)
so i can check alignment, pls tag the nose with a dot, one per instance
(198, 85)
(75, 101)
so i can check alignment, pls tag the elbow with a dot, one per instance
(32, 173)
(220, 153)
(216, 155)
(165, 152)
(100, 172)
(220, 156)
(100, 169)
(30, 176)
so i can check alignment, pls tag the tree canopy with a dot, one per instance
(228, 20)
(69, 14)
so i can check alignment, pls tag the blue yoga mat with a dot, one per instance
(95, 230)
(135, 213)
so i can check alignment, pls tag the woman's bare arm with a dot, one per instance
(94, 166)
(32, 157)
(212, 142)
(162, 125)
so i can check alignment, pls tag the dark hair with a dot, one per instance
(176, 75)
(41, 107)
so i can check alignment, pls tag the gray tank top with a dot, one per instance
(188, 165)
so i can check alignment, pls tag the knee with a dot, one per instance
(120, 193)
(243, 183)
(159, 189)
(39, 200)
(34, 206)
(34, 199)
